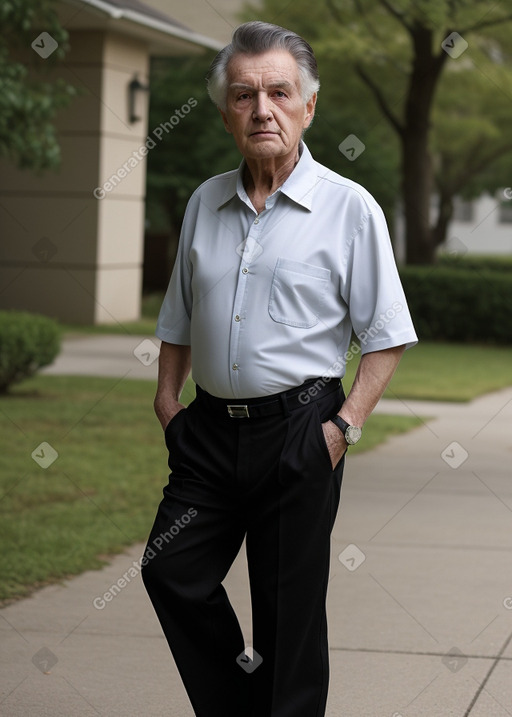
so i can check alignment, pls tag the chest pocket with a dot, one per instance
(297, 293)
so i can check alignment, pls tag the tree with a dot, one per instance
(423, 64)
(192, 149)
(29, 101)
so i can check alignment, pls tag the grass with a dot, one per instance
(447, 372)
(101, 493)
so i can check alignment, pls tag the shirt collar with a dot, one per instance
(298, 187)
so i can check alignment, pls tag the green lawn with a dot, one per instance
(102, 492)
(447, 372)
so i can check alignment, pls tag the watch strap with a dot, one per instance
(342, 425)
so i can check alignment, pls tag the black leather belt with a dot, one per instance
(283, 402)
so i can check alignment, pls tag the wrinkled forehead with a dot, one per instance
(264, 68)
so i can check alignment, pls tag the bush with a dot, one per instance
(477, 262)
(456, 304)
(27, 342)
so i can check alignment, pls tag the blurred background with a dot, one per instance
(106, 129)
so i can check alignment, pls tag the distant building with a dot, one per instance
(479, 226)
(482, 226)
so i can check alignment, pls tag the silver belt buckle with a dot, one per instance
(238, 411)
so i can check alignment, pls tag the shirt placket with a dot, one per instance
(249, 252)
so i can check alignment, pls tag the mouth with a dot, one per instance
(263, 133)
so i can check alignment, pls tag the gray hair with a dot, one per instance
(254, 38)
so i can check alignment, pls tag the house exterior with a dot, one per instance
(72, 241)
(482, 226)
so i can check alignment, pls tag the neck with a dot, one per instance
(263, 176)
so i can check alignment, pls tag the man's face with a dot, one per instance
(265, 112)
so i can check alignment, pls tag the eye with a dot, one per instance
(243, 96)
(280, 94)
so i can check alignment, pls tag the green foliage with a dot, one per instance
(457, 304)
(367, 50)
(29, 99)
(477, 263)
(195, 149)
(27, 342)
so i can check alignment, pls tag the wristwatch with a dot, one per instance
(352, 433)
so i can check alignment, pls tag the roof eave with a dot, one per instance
(151, 23)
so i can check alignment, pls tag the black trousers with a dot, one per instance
(270, 480)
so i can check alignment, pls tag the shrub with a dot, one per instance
(27, 342)
(477, 262)
(456, 304)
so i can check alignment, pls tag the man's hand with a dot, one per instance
(373, 375)
(335, 440)
(165, 413)
(173, 369)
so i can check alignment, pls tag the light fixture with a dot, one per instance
(135, 90)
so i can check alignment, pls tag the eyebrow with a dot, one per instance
(284, 84)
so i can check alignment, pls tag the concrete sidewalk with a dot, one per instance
(420, 595)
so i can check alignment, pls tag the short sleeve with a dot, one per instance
(376, 301)
(173, 325)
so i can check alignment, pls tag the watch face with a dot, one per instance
(352, 435)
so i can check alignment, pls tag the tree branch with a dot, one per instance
(334, 11)
(483, 25)
(452, 186)
(473, 168)
(381, 100)
(397, 15)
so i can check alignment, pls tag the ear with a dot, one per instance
(310, 111)
(225, 120)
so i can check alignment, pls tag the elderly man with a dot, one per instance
(278, 262)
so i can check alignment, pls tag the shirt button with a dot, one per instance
(237, 317)
(235, 367)
(245, 270)
(257, 220)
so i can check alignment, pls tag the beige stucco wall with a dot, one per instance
(64, 252)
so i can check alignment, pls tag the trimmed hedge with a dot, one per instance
(477, 262)
(456, 304)
(27, 343)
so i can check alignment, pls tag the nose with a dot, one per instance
(261, 110)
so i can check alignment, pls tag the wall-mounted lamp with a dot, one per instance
(135, 94)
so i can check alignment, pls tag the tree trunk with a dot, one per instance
(416, 193)
(416, 161)
(444, 217)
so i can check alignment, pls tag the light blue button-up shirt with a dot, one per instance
(269, 300)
